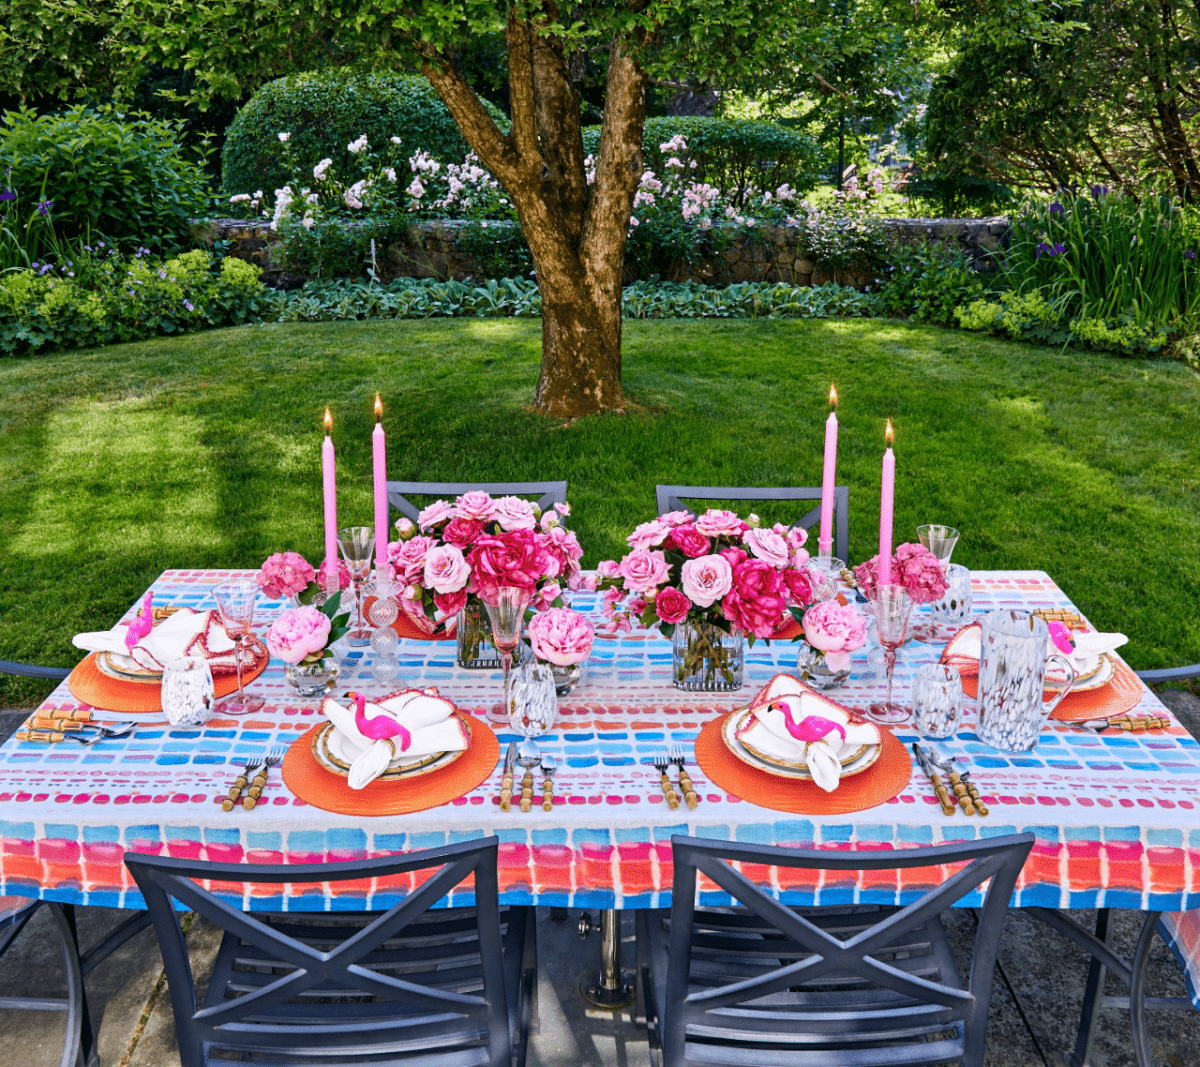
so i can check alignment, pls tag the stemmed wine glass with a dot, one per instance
(892, 606)
(235, 600)
(357, 543)
(940, 541)
(507, 616)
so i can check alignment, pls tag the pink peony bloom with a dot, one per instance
(767, 545)
(716, 522)
(285, 574)
(297, 633)
(437, 512)
(515, 557)
(648, 535)
(474, 505)
(644, 570)
(754, 603)
(689, 541)
(706, 579)
(835, 629)
(513, 513)
(561, 636)
(445, 569)
(451, 603)
(343, 573)
(408, 557)
(608, 568)
(920, 573)
(671, 605)
(798, 586)
(462, 532)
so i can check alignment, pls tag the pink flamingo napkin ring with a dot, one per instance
(381, 727)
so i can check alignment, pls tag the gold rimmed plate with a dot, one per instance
(125, 668)
(855, 763)
(1097, 678)
(329, 751)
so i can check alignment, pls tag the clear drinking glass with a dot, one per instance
(953, 611)
(187, 691)
(937, 700)
(357, 544)
(236, 600)
(534, 704)
(940, 541)
(892, 606)
(507, 616)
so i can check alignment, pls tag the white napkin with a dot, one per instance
(766, 731)
(1090, 645)
(184, 633)
(428, 718)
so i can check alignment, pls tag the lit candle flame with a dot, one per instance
(832, 397)
(889, 434)
(378, 407)
(328, 421)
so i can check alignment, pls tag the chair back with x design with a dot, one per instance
(549, 493)
(675, 498)
(406, 984)
(769, 984)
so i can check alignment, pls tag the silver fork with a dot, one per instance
(239, 783)
(661, 763)
(260, 779)
(685, 781)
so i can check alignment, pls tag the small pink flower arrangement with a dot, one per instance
(717, 569)
(914, 567)
(835, 629)
(561, 636)
(289, 574)
(305, 634)
(465, 550)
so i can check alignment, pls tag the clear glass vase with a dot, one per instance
(814, 669)
(311, 680)
(707, 659)
(565, 678)
(474, 639)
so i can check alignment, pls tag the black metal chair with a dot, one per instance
(29, 670)
(449, 987)
(674, 498)
(1169, 674)
(551, 493)
(781, 987)
(15, 913)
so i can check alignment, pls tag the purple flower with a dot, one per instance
(45, 206)
(8, 194)
(1058, 249)
(1056, 208)
(1190, 254)
(1043, 247)
(187, 304)
(1099, 191)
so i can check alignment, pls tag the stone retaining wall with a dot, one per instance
(430, 250)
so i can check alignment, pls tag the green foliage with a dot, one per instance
(741, 157)
(953, 194)
(107, 174)
(927, 282)
(100, 297)
(1028, 317)
(324, 111)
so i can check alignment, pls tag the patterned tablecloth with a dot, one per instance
(1116, 816)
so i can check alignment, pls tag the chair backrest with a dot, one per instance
(403, 981)
(1169, 674)
(550, 493)
(797, 964)
(30, 670)
(675, 497)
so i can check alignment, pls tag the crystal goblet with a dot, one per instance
(892, 606)
(939, 540)
(357, 543)
(235, 600)
(507, 616)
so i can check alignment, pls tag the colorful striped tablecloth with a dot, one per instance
(1117, 817)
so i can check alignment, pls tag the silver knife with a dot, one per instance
(506, 783)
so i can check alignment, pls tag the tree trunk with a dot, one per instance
(581, 357)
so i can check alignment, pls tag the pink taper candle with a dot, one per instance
(825, 541)
(379, 453)
(329, 475)
(886, 505)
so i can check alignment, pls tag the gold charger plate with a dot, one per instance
(860, 761)
(331, 761)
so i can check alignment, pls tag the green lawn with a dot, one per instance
(204, 451)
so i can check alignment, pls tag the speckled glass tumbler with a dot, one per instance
(937, 700)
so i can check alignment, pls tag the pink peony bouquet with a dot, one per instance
(478, 543)
(835, 629)
(561, 636)
(305, 634)
(914, 567)
(717, 569)
(289, 574)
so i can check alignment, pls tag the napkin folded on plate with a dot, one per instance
(790, 722)
(184, 633)
(1090, 645)
(406, 725)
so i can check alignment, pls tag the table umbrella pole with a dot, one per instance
(610, 988)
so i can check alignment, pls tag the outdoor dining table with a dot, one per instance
(1115, 814)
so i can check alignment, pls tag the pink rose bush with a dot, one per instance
(561, 636)
(467, 549)
(835, 629)
(299, 634)
(716, 568)
(914, 567)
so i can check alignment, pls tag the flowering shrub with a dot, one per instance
(100, 296)
(717, 569)
(929, 282)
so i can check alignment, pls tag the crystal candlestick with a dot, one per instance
(383, 612)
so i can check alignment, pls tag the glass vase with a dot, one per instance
(815, 671)
(311, 680)
(707, 659)
(474, 639)
(565, 678)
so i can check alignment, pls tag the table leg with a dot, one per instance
(611, 987)
(89, 1055)
(1093, 992)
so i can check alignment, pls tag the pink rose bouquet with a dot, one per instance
(835, 629)
(914, 567)
(717, 569)
(305, 634)
(561, 636)
(289, 574)
(461, 552)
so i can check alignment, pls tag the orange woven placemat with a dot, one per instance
(879, 783)
(323, 789)
(405, 627)
(1122, 694)
(89, 685)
